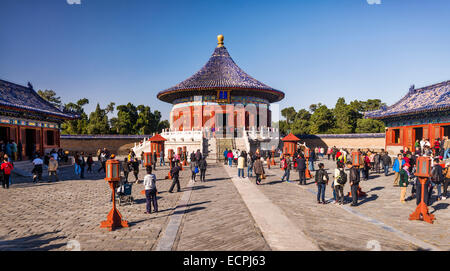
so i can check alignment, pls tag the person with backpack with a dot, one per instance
(37, 169)
(6, 168)
(354, 182)
(286, 166)
(321, 182)
(437, 178)
(340, 178)
(194, 168)
(150, 191)
(202, 165)
(125, 168)
(404, 181)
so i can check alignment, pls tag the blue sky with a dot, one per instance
(313, 50)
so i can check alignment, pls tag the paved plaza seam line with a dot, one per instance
(271, 219)
(380, 224)
(170, 233)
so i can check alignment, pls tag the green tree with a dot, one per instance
(126, 121)
(346, 117)
(322, 120)
(77, 126)
(98, 120)
(289, 113)
(370, 126)
(50, 96)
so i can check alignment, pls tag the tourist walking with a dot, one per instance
(386, 161)
(155, 158)
(135, 167)
(194, 169)
(259, 169)
(250, 161)
(125, 168)
(150, 191)
(89, 162)
(202, 165)
(175, 172)
(161, 159)
(437, 178)
(340, 178)
(230, 158)
(446, 173)
(398, 164)
(240, 166)
(354, 182)
(102, 158)
(321, 180)
(286, 165)
(37, 169)
(6, 168)
(53, 169)
(82, 165)
(301, 167)
(403, 182)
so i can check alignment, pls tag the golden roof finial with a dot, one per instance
(220, 40)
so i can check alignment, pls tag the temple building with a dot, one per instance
(28, 119)
(220, 96)
(220, 101)
(421, 113)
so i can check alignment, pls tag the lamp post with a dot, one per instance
(357, 162)
(184, 156)
(307, 156)
(423, 172)
(114, 218)
(273, 156)
(170, 157)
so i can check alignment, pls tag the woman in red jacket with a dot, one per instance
(6, 167)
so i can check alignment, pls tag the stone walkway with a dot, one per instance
(47, 216)
(217, 217)
(223, 213)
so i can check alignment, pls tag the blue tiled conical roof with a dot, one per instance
(221, 72)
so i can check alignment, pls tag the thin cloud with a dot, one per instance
(78, 2)
(374, 2)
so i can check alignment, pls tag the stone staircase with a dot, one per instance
(221, 145)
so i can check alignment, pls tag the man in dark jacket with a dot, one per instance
(386, 161)
(301, 167)
(321, 182)
(437, 178)
(354, 182)
(175, 172)
(155, 158)
(202, 165)
(125, 168)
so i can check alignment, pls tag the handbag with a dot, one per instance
(196, 170)
(263, 176)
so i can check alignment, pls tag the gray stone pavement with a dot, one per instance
(379, 219)
(217, 217)
(214, 215)
(46, 216)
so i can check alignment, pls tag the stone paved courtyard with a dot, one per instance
(49, 216)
